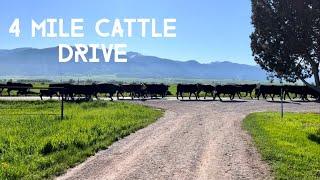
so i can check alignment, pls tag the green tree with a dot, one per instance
(286, 39)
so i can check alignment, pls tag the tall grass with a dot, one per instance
(41, 145)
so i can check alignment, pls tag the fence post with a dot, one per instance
(281, 97)
(62, 106)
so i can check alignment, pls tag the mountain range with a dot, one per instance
(44, 63)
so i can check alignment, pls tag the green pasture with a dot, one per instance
(35, 143)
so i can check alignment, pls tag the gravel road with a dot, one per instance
(194, 140)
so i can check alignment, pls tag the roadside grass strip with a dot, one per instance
(290, 145)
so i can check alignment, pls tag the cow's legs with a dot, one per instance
(285, 95)
(272, 97)
(232, 96)
(264, 95)
(96, 96)
(195, 94)
(258, 96)
(89, 97)
(181, 95)
(239, 95)
(107, 95)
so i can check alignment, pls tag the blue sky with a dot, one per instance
(207, 30)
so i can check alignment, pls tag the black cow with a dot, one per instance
(269, 90)
(187, 88)
(311, 92)
(70, 92)
(231, 90)
(134, 90)
(296, 90)
(246, 88)
(156, 89)
(302, 91)
(110, 89)
(21, 88)
(86, 91)
(54, 89)
(207, 89)
(47, 92)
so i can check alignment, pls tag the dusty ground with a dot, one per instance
(194, 140)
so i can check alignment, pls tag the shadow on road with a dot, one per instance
(284, 102)
(233, 101)
(200, 100)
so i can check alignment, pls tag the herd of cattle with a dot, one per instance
(303, 92)
(72, 92)
(87, 92)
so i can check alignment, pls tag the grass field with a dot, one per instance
(39, 146)
(291, 145)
